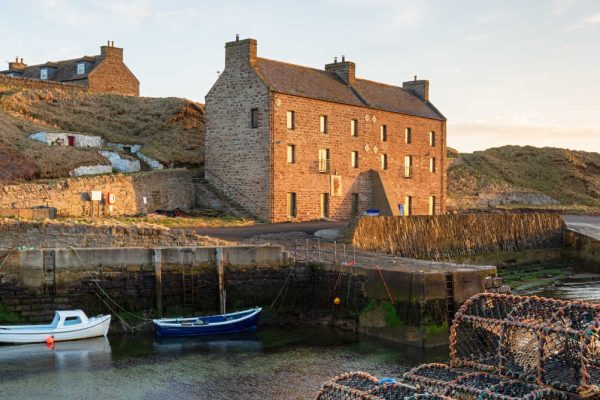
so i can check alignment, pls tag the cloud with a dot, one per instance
(397, 14)
(592, 19)
(560, 7)
(481, 135)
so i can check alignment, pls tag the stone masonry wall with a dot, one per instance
(237, 155)
(165, 189)
(28, 83)
(112, 75)
(303, 177)
(49, 234)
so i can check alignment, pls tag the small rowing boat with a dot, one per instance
(66, 325)
(240, 321)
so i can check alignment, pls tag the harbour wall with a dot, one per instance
(442, 237)
(404, 305)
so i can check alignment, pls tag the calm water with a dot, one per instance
(583, 286)
(271, 364)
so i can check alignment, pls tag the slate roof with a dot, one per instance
(318, 84)
(65, 70)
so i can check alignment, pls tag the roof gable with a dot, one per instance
(64, 71)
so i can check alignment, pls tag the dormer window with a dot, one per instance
(80, 69)
(44, 73)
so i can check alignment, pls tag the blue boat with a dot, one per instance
(240, 321)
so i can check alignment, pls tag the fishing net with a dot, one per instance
(502, 347)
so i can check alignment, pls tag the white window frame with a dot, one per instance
(290, 123)
(44, 73)
(291, 154)
(432, 138)
(323, 123)
(383, 133)
(354, 162)
(354, 127)
(408, 163)
(80, 68)
(324, 161)
(432, 205)
(384, 161)
(408, 135)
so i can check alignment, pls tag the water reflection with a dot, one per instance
(583, 286)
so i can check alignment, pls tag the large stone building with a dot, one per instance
(104, 73)
(296, 143)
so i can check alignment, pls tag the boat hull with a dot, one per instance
(246, 324)
(95, 328)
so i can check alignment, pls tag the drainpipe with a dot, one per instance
(271, 157)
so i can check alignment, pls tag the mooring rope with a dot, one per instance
(385, 284)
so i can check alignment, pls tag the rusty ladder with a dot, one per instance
(450, 305)
(49, 272)
(187, 286)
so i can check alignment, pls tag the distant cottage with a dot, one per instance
(104, 73)
(293, 143)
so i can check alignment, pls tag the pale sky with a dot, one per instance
(503, 72)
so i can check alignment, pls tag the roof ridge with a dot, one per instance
(61, 61)
(292, 64)
(380, 83)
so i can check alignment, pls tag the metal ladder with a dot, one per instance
(49, 273)
(450, 306)
(187, 286)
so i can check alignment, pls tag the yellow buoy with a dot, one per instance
(337, 301)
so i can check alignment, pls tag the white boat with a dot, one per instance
(66, 325)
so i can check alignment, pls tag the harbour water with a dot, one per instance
(270, 364)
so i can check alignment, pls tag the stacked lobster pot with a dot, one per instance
(502, 347)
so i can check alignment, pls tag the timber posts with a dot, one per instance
(157, 258)
(221, 273)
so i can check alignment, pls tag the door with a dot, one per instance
(71, 140)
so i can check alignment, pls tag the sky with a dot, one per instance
(523, 72)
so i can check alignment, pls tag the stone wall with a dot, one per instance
(237, 155)
(52, 234)
(165, 189)
(376, 187)
(111, 75)
(54, 138)
(28, 83)
(444, 237)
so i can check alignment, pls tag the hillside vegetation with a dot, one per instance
(170, 130)
(514, 177)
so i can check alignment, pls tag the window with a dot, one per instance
(70, 321)
(44, 73)
(432, 165)
(354, 127)
(384, 161)
(408, 205)
(408, 135)
(355, 159)
(354, 208)
(432, 138)
(383, 130)
(290, 119)
(431, 205)
(408, 166)
(80, 69)
(323, 123)
(291, 154)
(254, 118)
(323, 160)
(291, 205)
(324, 205)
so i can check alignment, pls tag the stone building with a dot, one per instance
(293, 143)
(104, 73)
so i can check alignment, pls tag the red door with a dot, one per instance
(71, 140)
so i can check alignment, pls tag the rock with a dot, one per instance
(328, 234)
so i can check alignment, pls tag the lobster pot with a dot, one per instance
(362, 386)
(461, 384)
(542, 341)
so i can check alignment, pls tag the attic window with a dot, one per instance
(43, 73)
(80, 69)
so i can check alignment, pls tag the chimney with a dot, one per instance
(110, 51)
(345, 70)
(17, 65)
(419, 88)
(240, 53)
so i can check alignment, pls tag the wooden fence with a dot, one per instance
(443, 236)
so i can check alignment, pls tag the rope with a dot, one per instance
(385, 284)
(6, 256)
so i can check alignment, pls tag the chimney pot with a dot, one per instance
(415, 78)
(343, 58)
(335, 60)
(17, 59)
(237, 37)
(108, 43)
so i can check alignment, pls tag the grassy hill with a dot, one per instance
(170, 130)
(515, 177)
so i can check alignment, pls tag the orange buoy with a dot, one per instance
(49, 340)
(337, 301)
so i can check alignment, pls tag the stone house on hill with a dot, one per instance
(104, 73)
(293, 143)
